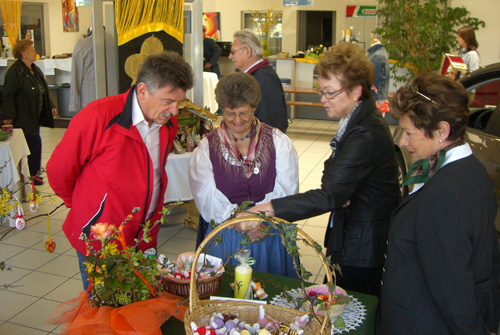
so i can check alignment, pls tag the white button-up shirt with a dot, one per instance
(151, 137)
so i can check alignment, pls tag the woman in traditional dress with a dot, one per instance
(243, 160)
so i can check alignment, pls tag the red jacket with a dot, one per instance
(102, 170)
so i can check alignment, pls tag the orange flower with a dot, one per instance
(102, 230)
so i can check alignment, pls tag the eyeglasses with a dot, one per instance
(330, 95)
(242, 115)
(233, 51)
(415, 91)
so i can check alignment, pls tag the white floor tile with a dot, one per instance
(10, 328)
(38, 284)
(24, 238)
(16, 304)
(68, 290)
(35, 315)
(31, 259)
(62, 265)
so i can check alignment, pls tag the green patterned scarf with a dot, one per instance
(423, 169)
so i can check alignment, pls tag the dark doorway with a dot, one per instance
(316, 27)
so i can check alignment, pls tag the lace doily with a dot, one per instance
(353, 315)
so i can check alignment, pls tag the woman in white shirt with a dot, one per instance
(466, 39)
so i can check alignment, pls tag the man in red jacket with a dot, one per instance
(112, 157)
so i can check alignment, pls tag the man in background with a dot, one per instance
(211, 54)
(378, 56)
(112, 157)
(246, 54)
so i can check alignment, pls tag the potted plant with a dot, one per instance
(417, 33)
(125, 292)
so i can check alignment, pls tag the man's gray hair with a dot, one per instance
(248, 37)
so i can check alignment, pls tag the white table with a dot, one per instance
(178, 179)
(210, 81)
(14, 154)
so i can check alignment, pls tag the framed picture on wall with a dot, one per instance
(70, 16)
(211, 21)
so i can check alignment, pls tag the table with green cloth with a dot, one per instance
(275, 285)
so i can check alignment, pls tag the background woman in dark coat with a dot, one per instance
(442, 269)
(26, 102)
(359, 184)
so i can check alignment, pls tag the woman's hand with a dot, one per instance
(9, 121)
(267, 208)
(245, 226)
(250, 228)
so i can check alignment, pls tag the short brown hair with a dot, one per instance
(20, 47)
(448, 102)
(351, 65)
(237, 89)
(469, 37)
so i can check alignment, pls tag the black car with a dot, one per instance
(483, 132)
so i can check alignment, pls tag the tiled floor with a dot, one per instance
(38, 281)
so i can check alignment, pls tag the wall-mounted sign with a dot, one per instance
(361, 11)
(297, 2)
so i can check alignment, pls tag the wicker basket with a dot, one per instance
(206, 288)
(200, 311)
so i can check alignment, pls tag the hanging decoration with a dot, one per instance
(50, 245)
(20, 221)
(135, 18)
(34, 198)
(11, 13)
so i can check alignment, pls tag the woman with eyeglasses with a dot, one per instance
(359, 186)
(443, 261)
(242, 160)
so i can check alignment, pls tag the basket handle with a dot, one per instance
(193, 293)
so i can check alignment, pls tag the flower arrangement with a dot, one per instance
(316, 51)
(125, 295)
(120, 277)
(265, 24)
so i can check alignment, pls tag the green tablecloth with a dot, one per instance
(274, 285)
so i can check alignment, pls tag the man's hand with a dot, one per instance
(208, 66)
(54, 111)
(9, 121)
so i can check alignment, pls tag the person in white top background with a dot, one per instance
(466, 39)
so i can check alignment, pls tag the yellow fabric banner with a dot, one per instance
(137, 17)
(11, 13)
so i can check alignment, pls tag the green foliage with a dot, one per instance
(116, 274)
(417, 33)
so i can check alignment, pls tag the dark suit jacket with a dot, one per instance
(211, 53)
(363, 171)
(442, 269)
(272, 105)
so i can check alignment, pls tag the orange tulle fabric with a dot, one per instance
(138, 318)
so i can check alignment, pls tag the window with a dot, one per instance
(31, 19)
(275, 36)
